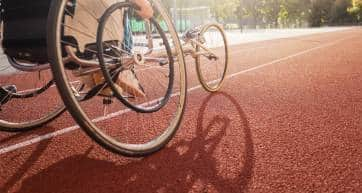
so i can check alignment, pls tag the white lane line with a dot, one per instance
(73, 128)
(37, 139)
(288, 57)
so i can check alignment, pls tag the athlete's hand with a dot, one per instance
(146, 10)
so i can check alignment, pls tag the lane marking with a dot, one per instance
(74, 128)
(288, 57)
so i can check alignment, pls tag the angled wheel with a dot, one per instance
(212, 58)
(109, 117)
(28, 100)
(138, 58)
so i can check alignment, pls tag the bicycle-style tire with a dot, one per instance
(8, 125)
(73, 105)
(14, 127)
(214, 84)
(101, 29)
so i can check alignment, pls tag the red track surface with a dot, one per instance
(288, 120)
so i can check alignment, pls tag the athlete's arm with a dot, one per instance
(146, 10)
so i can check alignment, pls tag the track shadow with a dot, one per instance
(28, 163)
(187, 165)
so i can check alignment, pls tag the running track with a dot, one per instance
(287, 120)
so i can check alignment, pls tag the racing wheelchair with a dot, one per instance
(121, 77)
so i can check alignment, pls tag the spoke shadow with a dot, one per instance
(190, 164)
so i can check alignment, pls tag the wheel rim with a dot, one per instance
(212, 72)
(28, 99)
(101, 128)
(141, 104)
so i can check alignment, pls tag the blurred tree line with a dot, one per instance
(280, 13)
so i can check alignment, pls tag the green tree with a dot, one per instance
(252, 9)
(279, 12)
(298, 11)
(271, 11)
(320, 12)
(225, 11)
(356, 10)
(339, 12)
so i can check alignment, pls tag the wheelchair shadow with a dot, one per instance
(187, 165)
(23, 169)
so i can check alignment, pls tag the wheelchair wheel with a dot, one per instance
(212, 62)
(29, 99)
(131, 121)
(145, 54)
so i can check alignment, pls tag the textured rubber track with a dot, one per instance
(287, 120)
